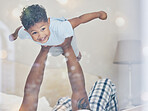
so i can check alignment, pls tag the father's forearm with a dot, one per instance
(33, 83)
(35, 76)
(79, 96)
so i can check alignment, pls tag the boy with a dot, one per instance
(51, 31)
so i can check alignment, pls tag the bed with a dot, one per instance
(55, 85)
(10, 102)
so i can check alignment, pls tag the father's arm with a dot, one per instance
(34, 81)
(79, 95)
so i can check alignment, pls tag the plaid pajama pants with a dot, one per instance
(102, 97)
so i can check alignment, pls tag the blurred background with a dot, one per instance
(97, 41)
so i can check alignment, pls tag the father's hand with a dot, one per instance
(66, 44)
(45, 48)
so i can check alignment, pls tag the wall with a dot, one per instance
(130, 12)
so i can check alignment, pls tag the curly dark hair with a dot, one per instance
(33, 14)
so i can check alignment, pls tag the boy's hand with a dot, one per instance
(102, 15)
(14, 35)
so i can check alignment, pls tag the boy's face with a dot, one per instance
(40, 32)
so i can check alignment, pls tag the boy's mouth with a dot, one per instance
(43, 39)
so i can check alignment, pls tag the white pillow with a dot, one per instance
(13, 103)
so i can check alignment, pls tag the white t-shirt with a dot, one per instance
(60, 28)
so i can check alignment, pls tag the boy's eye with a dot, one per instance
(43, 28)
(34, 33)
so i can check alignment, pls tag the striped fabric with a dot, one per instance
(102, 97)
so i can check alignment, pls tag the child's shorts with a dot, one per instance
(56, 51)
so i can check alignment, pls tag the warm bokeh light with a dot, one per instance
(145, 51)
(120, 21)
(16, 12)
(144, 96)
(3, 54)
(63, 2)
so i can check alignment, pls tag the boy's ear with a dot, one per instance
(48, 20)
(26, 30)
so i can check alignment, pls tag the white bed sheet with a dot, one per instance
(12, 103)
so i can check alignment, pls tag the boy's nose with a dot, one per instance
(41, 34)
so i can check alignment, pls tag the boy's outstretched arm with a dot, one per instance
(14, 35)
(33, 83)
(79, 96)
(87, 17)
